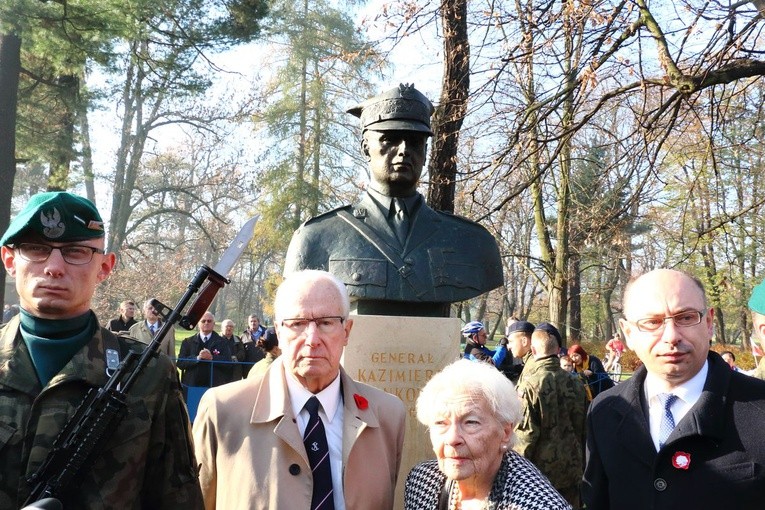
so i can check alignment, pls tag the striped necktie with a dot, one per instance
(315, 441)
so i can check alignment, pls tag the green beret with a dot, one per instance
(401, 109)
(56, 216)
(757, 301)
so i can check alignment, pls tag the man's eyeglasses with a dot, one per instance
(206, 320)
(323, 324)
(75, 254)
(682, 320)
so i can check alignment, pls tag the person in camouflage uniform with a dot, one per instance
(55, 350)
(551, 432)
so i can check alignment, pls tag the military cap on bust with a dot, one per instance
(56, 216)
(757, 301)
(403, 108)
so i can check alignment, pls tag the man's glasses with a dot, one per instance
(682, 320)
(206, 320)
(75, 254)
(323, 324)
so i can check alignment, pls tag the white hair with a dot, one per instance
(286, 291)
(480, 381)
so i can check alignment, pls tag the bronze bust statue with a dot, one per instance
(396, 255)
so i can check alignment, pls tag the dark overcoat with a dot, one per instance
(714, 458)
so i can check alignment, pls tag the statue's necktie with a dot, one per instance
(316, 447)
(400, 220)
(667, 420)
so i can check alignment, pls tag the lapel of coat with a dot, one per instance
(355, 420)
(370, 213)
(272, 403)
(633, 431)
(707, 416)
(424, 225)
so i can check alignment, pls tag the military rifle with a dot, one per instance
(98, 415)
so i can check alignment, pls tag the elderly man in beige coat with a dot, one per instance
(249, 434)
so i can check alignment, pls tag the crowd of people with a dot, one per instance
(206, 358)
(525, 426)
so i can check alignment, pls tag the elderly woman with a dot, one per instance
(470, 410)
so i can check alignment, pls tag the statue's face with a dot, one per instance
(396, 159)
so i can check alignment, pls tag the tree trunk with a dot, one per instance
(63, 152)
(452, 107)
(10, 66)
(575, 299)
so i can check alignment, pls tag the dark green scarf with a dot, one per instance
(52, 343)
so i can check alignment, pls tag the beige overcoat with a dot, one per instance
(252, 455)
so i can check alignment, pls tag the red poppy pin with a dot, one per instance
(361, 402)
(681, 460)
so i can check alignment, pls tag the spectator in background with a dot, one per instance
(568, 365)
(250, 337)
(236, 347)
(614, 350)
(126, 318)
(476, 336)
(270, 345)
(519, 342)
(730, 359)
(592, 369)
(205, 358)
(145, 330)
(554, 404)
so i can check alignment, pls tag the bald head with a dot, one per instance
(637, 285)
(661, 310)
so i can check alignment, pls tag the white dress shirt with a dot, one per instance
(688, 394)
(331, 414)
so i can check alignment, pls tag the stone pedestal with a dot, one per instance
(399, 355)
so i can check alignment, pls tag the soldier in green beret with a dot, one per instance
(757, 306)
(55, 350)
(396, 255)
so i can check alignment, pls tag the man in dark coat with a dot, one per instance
(205, 358)
(685, 431)
(396, 255)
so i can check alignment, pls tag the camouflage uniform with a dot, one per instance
(147, 463)
(551, 432)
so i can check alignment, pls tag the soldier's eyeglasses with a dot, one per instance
(75, 254)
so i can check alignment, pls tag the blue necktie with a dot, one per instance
(667, 424)
(315, 441)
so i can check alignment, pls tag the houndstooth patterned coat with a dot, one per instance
(519, 485)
